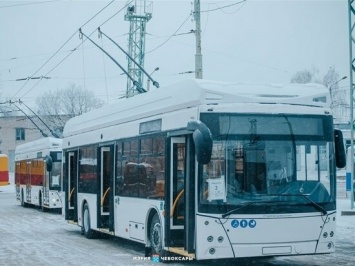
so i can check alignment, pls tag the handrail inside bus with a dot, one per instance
(71, 194)
(175, 203)
(104, 196)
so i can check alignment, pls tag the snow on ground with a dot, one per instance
(67, 237)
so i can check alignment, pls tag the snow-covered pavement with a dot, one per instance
(30, 237)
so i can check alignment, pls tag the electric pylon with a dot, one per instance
(351, 9)
(137, 15)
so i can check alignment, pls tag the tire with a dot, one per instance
(155, 236)
(88, 232)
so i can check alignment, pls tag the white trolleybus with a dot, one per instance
(38, 166)
(208, 170)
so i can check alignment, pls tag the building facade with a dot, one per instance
(16, 130)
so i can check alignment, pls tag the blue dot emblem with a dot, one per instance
(243, 223)
(234, 223)
(252, 223)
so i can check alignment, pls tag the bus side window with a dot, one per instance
(119, 185)
(130, 180)
(119, 169)
(142, 181)
(151, 179)
(159, 185)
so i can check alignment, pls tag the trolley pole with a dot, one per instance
(198, 56)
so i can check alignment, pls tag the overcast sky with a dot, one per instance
(253, 41)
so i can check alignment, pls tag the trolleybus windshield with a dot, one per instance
(55, 177)
(268, 164)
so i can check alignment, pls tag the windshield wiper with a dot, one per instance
(242, 207)
(314, 204)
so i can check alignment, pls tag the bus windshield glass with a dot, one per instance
(266, 164)
(55, 177)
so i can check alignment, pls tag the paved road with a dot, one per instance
(30, 237)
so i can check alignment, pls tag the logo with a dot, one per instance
(235, 223)
(252, 223)
(155, 258)
(243, 223)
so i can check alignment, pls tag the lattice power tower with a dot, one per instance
(350, 183)
(138, 15)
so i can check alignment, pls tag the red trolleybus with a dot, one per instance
(4, 170)
(208, 170)
(38, 173)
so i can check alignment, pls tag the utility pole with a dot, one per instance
(137, 15)
(352, 69)
(198, 55)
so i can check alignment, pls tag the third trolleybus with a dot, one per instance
(208, 170)
(4, 170)
(38, 170)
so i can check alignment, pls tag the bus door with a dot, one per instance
(45, 185)
(180, 204)
(105, 196)
(71, 191)
(28, 181)
(177, 184)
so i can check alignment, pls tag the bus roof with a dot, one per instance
(194, 92)
(39, 145)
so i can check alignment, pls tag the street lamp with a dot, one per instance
(148, 81)
(337, 81)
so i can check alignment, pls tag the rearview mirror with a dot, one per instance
(203, 141)
(340, 157)
(49, 162)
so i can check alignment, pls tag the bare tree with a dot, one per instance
(57, 107)
(306, 76)
(331, 81)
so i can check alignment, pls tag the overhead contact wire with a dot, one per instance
(58, 52)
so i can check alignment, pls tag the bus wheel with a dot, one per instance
(86, 223)
(155, 235)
